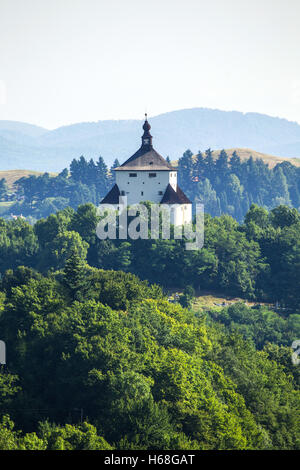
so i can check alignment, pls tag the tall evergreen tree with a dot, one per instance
(235, 164)
(92, 173)
(112, 178)
(209, 165)
(75, 276)
(199, 166)
(102, 176)
(185, 170)
(280, 188)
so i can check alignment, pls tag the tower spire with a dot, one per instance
(146, 137)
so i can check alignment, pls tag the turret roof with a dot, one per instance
(146, 158)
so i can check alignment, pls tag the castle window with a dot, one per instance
(132, 175)
(150, 163)
(152, 175)
(122, 193)
(160, 193)
(142, 193)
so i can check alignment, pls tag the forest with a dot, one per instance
(225, 185)
(98, 358)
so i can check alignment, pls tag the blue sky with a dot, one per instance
(65, 61)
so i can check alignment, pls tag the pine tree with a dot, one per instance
(209, 165)
(235, 164)
(199, 166)
(74, 170)
(102, 177)
(64, 174)
(185, 170)
(92, 173)
(75, 276)
(112, 178)
(221, 166)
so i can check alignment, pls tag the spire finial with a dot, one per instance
(147, 137)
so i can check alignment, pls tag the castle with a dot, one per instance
(147, 176)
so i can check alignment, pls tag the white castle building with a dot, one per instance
(147, 176)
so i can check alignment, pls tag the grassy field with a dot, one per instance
(214, 300)
(13, 175)
(210, 300)
(271, 160)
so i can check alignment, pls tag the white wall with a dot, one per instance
(142, 183)
(150, 187)
(182, 214)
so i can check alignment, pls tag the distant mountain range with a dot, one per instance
(25, 146)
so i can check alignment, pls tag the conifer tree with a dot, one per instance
(235, 164)
(113, 173)
(102, 176)
(209, 165)
(199, 166)
(221, 166)
(75, 276)
(185, 170)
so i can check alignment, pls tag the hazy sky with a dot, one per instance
(66, 61)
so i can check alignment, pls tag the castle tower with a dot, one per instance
(147, 176)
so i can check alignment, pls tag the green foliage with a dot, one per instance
(80, 437)
(3, 188)
(99, 359)
(149, 374)
(75, 276)
(225, 186)
(259, 324)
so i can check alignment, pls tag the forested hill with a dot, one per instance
(26, 146)
(99, 359)
(226, 184)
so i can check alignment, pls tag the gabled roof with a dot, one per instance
(112, 197)
(146, 159)
(174, 197)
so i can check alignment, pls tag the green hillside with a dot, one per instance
(100, 359)
(13, 175)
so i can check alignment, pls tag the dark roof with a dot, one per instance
(112, 197)
(145, 158)
(174, 197)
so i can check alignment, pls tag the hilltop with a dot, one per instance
(245, 154)
(271, 160)
(13, 175)
(26, 146)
